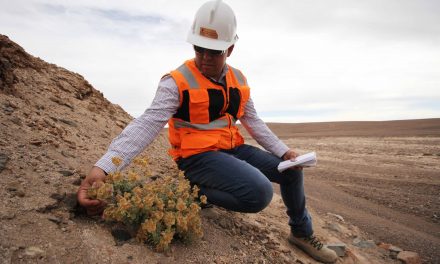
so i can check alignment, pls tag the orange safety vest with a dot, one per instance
(206, 117)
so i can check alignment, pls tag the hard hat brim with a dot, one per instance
(209, 43)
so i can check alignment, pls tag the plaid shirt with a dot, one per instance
(144, 129)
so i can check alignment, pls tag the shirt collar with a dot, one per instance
(222, 78)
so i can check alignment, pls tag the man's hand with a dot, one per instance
(93, 207)
(291, 155)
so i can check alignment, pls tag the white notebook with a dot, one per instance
(306, 160)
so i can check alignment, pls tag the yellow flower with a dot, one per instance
(117, 161)
(183, 185)
(182, 222)
(159, 204)
(157, 215)
(116, 176)
(124, 204)
(203, 199)
(142, 162)
(148, 201)
(180, 205)
(137, 191)
(195, 192)
(171, 204)
(167, 236)
(137, 201)
(133, 177)
(194, 208)
(149, 226)
(169, 219)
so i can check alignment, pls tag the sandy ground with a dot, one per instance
(382, 177)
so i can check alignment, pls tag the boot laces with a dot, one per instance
(314, 241)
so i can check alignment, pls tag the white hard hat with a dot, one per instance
(214, 26)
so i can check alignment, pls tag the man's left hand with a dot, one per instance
(291, 155)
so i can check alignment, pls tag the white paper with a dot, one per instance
(306, 160)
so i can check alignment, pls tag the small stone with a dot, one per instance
(36, 142)
(67, 154)
(234, 247)
(409, 257)
(340, 218)
(66, 173)
(395, 249)
(390, 247)
(16, 120)
(54, 219)
(68, 122)
(71, 201)
(58, 196)
(13, 186)
(34, 252)
(3, 160)
(77, 182)
(7, 215)
(339, 248)
(20, 193)
(363, 243)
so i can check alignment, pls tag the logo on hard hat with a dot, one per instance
(209, 33)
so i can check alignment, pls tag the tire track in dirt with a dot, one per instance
(384, 224)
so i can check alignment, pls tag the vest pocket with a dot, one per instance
(199, 140)
(198, 106)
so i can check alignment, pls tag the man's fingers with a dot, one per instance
(84, 200)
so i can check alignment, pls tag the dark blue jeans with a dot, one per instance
(240, 180)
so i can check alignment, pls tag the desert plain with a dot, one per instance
(383, 177)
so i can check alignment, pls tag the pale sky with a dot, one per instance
(306, 61)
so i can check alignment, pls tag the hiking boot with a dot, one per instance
(314, 248)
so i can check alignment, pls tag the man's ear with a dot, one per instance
(230, 49)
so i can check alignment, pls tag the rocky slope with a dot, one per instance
(53, 126)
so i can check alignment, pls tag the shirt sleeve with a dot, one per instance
(143, 130)
(261, 132)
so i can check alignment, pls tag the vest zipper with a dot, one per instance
(229, 126)
(229, 116)
(225, 88)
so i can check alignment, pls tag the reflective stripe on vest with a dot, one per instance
(219, 123)
(187, 74)
(239, 76)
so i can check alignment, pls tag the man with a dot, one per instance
(201, 101)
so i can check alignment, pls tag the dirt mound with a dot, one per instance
(53, 126)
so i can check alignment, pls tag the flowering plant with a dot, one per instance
(159, 209)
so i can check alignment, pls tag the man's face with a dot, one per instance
(211, 62)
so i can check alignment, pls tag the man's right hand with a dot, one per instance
(93, 207)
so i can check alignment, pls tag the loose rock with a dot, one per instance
(409, 257)
(363, 243)
(34, 252)
(339, 248)
(3, 160)
(66, 173)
